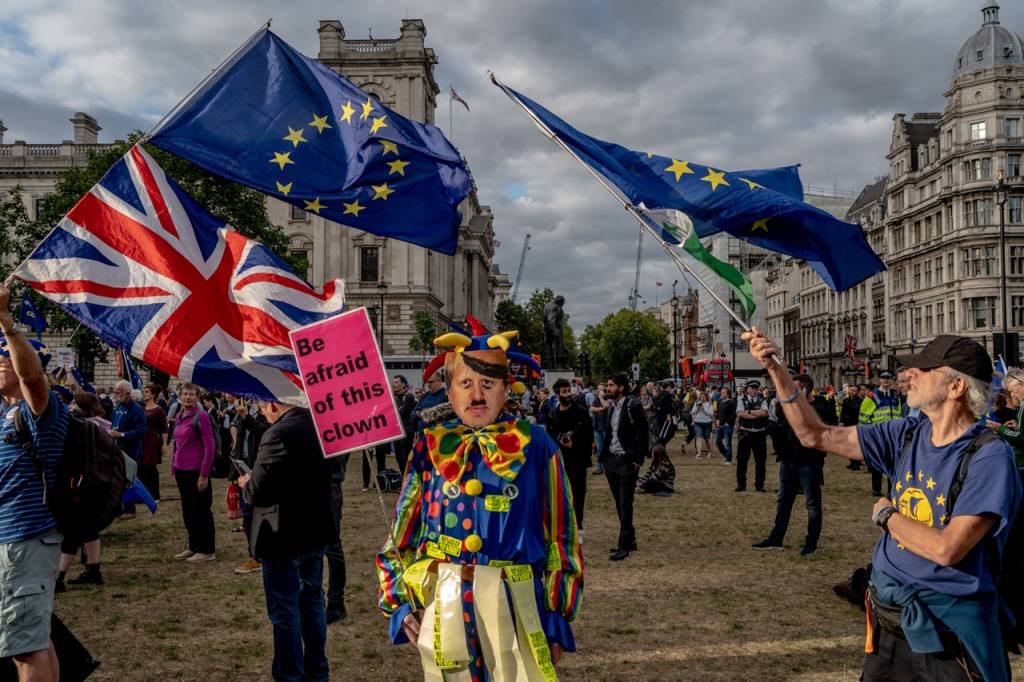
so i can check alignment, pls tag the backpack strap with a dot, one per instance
(908, 440)
(972, 448)
(24, 438)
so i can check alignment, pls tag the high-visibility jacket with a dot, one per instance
(882, 406)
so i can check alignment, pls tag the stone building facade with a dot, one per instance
(935, 221)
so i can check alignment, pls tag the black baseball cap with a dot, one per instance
(886, 374)
(958, 352)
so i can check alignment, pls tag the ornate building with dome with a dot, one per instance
(935, 221)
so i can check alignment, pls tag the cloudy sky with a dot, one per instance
(732, 83)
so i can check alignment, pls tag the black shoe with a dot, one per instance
(767, 544)
(619, 556)
(90, 576)
(740, 489)
(60, 586)
(336, 612)
(616, 549)
(760, 490)
(598, 470)
(807, 551)
(853, 466)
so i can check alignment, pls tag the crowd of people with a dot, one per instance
(930, 590)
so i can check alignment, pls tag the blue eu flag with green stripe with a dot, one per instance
(284, 124)
(763, 207)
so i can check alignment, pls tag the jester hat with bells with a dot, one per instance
(484, 353)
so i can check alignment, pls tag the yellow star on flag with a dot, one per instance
(295, 136)
(751, 184)
(761, 224)
(679, 169)
(910, 476)
(930, 483)
(378, 123)
(381, 191)
(716, 178)
(389, 147)
(941, 500)
(346, 112)
(944, 519)
(397, 166)
(650, 155)
(920, 475)
(314, 205)
(900, 545)
(282, 160)
(367, 108)
(319, 122)
(899, 485)
(352, 209)
(283, 189)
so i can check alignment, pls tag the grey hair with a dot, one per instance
(1015, 373)
(123, 385)
(978, 391)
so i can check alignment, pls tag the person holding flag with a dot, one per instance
(483, 568)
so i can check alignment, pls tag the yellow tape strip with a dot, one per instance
(450, 639)
(533, 643)
(494, 624)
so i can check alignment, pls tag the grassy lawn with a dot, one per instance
(694, 603)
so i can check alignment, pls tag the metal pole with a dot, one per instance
(1002, 275)
(675, 339)
(380, 320)
(831, 370)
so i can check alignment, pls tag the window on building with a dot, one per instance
(1017, 260)
(1012, 127)
(928, 273)
(878, 309)
(1013, 210)
(951, 307)
(978, 212)
(1017, 311)
(917, 276)
(917, 232)
(940, 317)
(938, 270)
(981, 169)
(901, 323)
(949, 144)
(949, 218)
(1013, 165)
(298, 214)
(979, 55)
(916, 325)
(929, 328)
(897, 239)
(369, 264)
(978, 130)
(928, 228)
(39, 205)
(980, 313)
(979, 260)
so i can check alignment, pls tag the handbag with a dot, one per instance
(234, 501)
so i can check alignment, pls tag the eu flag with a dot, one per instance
(288, 126)
(29, 315)
(763, 207)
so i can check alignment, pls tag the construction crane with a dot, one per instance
(519, 272)
(634, 298)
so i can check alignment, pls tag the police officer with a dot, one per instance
(883, 405)
(752, 427)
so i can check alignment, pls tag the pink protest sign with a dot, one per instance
(343, 375)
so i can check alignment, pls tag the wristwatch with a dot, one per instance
(881, 517)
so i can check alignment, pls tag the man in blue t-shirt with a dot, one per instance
(29, 541)
(935, 611)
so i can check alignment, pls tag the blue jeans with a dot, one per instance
(599, 444)
(295, 604)
(723, 441)
(792, 477)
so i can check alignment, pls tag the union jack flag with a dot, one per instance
(139, 262)
(851, 346)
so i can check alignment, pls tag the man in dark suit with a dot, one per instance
(625, 449)
(292, 523)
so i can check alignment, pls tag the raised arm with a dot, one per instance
(802, 417)
(24, 360)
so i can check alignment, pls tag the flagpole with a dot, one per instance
(451, 117)
(550, 134)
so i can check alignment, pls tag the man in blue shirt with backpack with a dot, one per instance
(29, 540)
(934, 607)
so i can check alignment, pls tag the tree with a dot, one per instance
(238, 206)
(426, 332)
(511, 316)
(625, 337)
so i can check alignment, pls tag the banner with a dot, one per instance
(344, 378)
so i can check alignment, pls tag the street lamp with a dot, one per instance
(675, 338)
(382, 291)
(1002, 190)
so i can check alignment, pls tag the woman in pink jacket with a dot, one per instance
(194, 449)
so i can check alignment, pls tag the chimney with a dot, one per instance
(2, 131)
(332, 35)
(86, 128)
(411, 38)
